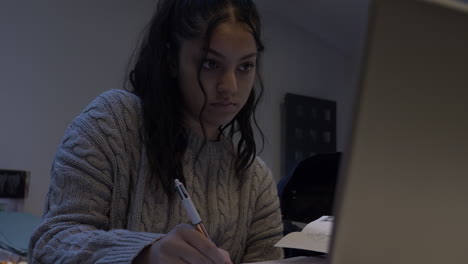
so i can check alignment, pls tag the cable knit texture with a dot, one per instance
(103, 206)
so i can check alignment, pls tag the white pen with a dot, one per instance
(190, 208)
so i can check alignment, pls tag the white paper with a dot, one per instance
(315, 236)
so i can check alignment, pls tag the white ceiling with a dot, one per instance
(340, 23)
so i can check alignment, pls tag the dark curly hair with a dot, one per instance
(152, 80)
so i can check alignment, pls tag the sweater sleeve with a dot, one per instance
(266, 227)
(76, 223)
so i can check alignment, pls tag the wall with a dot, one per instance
(56, 57)
(301, 62)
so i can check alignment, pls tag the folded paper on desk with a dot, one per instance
(315, 236)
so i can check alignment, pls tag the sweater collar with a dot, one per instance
(211, 148)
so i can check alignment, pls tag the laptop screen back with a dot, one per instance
(403, 188)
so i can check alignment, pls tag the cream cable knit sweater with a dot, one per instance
(103, 206)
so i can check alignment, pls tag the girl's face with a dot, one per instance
(227, 75)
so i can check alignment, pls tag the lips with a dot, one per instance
(224, 106)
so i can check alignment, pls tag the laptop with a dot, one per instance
(403, 187)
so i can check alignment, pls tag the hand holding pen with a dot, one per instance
(185, 243)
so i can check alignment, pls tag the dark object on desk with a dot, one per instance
(13, 183)
(16, 226)
(307, 194)
(14, 186)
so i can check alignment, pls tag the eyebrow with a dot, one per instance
(219, 54)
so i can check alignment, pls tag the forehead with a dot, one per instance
(227, 38)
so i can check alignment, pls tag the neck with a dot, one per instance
(210, 131)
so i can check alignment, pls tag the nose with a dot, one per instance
(227, 85)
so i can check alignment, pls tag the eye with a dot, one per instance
(246, 67)
(210, 64)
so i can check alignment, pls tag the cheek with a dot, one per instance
(246, 84)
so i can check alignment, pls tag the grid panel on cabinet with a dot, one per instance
(310, 128)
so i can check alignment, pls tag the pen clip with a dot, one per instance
(180, 188)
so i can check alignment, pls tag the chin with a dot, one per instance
(221, 122)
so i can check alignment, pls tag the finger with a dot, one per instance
(178, 249)
(172, 260)
(227, 257)
(202, 244)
